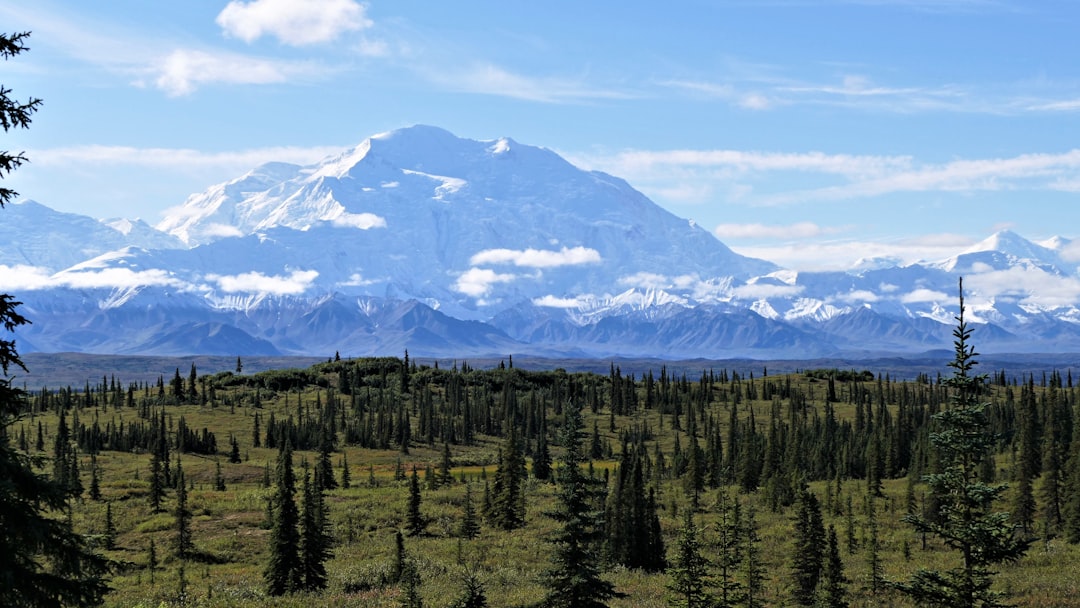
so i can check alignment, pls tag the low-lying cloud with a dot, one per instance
(537, 258)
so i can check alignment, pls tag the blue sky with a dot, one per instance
(807, 133)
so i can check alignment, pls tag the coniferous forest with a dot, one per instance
(383, 481)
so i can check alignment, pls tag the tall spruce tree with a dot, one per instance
(689, 571)
(574, 579)
(283, 572)
(809, 551)
(833, 581)
(507, 506)
(184, 543)
(43, 562)
(414, 520)
(965, 521)
(314, 547)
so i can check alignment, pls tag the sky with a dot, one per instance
(808, 133)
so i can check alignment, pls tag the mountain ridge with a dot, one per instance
(417, 239)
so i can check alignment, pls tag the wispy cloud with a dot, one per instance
(537, 258)
(752, 177)
(183, 71)
(177, 159)
(490, 79)
(800, 230)
(293, 23)
(847, 254)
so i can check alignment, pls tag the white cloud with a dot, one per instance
(182, 159)
(477, 282)
(537, 258)
(292, 22)
(490, 79)
(645, 280)
(117, 278)
(1026, 286)
(182, 71)
(800, 230)
(216, 230)
(21, 277)
(757, 291)
(357, 280)
(256, 282)
(925, 295)
(857, 296)
(362, 221)
(550, 301)
(841, 254)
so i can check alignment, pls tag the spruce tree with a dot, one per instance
(574, 578)
(470, 522)
(282, 574)
(414, 520)
(314, 547)
(507, 508)
(473, 595)
(689, 571)
(965, 521)
(752, 568)
(184, 544)
(833, 581)
(809, 551)
(728, 551)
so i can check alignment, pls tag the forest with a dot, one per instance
(384, 482)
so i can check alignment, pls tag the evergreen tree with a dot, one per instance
(966, 522)
(346, 476)
(574, 578)
(541, 466)
(753, 569)
(689, 571)
(472, 595)
(314, 546)
(282, 573)
(414, 520)
(184, 544)
(219, 479)
(809, 552)
(446, 477)
(507, 504)
(729, 590)
(833, 581)
(410, 583)
(470, 522)
(157, 483)
(1070, 511)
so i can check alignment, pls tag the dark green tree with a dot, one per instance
(414, 520)
(507, 506)
(184, 544)
(689, 571)
(833, 580)
(43, 562)
(809, 551)
(574, 578)
(314, 547)
(473, 595)
(728, 551)
(283, 572)
(965, 521)
(470, 521)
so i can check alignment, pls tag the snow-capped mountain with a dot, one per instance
(417, 239)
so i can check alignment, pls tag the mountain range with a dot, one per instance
(423, 241)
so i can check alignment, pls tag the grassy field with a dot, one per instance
(230, 527)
